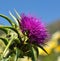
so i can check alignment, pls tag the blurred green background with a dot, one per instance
(53, 45)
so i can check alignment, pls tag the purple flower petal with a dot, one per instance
(37, 31)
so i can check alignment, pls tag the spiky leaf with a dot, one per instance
(41, 48)
(8, 19)
(3, 29)
(4, 40)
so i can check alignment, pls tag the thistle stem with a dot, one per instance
(7, 47)
(16, 56)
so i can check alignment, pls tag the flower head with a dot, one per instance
(37, 32)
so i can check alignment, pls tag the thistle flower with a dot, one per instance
(33, 32)
(37, 32)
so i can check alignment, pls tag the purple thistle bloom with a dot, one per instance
(37, 32)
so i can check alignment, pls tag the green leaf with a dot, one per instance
(37, 51)
(14, 18)
(17, 14)
(32, 53)
(17, 41)
(19, 52)
(8, 19)
(3, 29)
(42, 48)
(4, 40)
(17, 31)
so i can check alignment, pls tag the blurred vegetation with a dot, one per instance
(54, 27)
(53, 45)
(53, 49)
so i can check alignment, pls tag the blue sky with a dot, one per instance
(47, 10)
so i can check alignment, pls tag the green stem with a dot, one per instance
(16, 57)
(7, 47)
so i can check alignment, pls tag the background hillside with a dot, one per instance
(54, 27)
